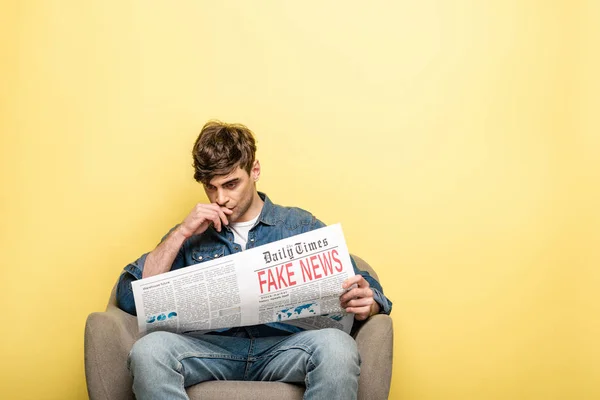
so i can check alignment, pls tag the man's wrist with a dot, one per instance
(178, 236)
(161, 258)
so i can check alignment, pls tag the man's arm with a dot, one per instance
(161, 259)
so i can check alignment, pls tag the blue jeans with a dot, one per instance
(326, 361)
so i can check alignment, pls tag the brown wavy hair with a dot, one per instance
(220, 148)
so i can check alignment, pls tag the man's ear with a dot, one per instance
(255, 171)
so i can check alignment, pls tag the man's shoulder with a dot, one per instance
(291, 214)
(291, 217)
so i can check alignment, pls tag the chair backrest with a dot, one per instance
(363, 266)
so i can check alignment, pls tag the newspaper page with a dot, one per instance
(296, 281)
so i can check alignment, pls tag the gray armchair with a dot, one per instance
(109, 336)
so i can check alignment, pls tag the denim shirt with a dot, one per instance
(274, 223)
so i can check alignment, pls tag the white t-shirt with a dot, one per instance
(240, 231)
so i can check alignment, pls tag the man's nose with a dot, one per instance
(221, 198)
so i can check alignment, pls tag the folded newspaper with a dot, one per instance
(296, 281)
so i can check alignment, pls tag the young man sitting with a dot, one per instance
(239, 217)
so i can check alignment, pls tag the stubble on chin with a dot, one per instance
(237, 213)
(234, 216)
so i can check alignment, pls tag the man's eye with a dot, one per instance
(231, 185)
(209, 187)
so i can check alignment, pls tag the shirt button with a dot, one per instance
(216, 255)
(252, 240)
(200, 258)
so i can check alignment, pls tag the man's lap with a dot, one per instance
(237, 356)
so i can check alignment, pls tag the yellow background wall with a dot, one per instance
(457, 142)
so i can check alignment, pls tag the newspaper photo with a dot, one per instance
(295, 281)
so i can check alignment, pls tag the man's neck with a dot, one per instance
(254, 210)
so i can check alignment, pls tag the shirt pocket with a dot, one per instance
(203, 254)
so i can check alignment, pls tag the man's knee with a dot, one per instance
(334, 366)
(337, 347)
(150, 349)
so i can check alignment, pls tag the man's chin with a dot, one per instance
(233, 217)
(236, 217)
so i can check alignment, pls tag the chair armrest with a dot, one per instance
(375, 340)
(109, 337)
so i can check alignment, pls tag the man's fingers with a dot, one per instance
(359, 299)
(210, 214)
(219, 218)
(362, 282)
(360, 313)
(213, 213)
(214, 218)
(222, 215)
(362, 302)
(202, 215)
(355, 294)
(351, 281)
(356, 279)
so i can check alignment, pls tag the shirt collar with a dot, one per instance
(268, 214)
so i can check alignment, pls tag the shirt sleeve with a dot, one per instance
(133, 271)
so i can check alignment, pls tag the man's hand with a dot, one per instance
(359, 300)
(200, 218)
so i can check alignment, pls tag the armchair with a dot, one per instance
(109, 336)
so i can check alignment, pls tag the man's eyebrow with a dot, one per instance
(234, 180)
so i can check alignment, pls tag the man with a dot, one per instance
(239, 217)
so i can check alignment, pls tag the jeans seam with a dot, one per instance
(179, 367)
(306, 349)
(183, 356)
(309, 367)
(248, 362)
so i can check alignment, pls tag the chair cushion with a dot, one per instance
(240, 390)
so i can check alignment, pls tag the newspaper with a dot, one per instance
(296, 281)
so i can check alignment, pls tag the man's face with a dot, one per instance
(236, 191)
